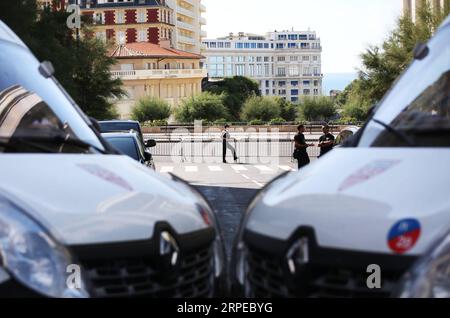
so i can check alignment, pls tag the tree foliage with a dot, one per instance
(236, 91)
(261, 108)
(381, 65)
(151, 109)
(206, 106)
(317, 109)
(82, 67)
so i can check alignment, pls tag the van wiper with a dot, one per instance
(36, 142)
(394, 131)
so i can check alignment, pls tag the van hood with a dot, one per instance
(373, 200)
(92, 199)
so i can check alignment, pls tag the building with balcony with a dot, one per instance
(188, 22)
(129, 21)
(410, 6)
(153, 21)
(285, 64)
(148, 69)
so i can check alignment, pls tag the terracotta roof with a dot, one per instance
(145, 49)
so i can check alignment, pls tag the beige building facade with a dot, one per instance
(151, 70)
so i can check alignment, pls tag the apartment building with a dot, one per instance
(285, 64)
(410, 6)
(188, 22)
(153, 21)
(148, 69)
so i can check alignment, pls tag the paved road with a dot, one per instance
(228, 187)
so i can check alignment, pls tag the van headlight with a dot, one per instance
(33, 257)
(430, 277)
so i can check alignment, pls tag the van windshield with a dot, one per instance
(418, 107)
(35, 114)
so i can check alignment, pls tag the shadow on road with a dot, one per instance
(229, 204)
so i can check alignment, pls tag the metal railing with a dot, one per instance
(212, 147)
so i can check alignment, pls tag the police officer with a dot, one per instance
(226, 144)
(326, 141)
(301, 146)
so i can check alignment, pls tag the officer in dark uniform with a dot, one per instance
(326, 141)
(226, 144)
(301, 146)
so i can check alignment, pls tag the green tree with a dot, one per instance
(236, 91)
(261, 108)
(82, 67)
(206, 106)
(317, 109)
(288, 111)
(381, 65)
(150, 109)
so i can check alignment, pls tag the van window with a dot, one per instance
(34, 110)
(419, 105)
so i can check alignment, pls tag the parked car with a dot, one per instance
(110, 126)
(130, 144)
(345, 134)
(318, 232)
(70, 204)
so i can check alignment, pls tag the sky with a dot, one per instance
(346, 27)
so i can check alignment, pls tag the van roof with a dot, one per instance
(6, 34)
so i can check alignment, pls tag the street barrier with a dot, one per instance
(192, 147)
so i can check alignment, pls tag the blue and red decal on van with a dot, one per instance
(404, 235)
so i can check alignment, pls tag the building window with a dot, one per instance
(294, 99)
(281, 92)
(315, 58)
(306, 92)
(294, 92)
(316, 83)
(281, 71)
(241, 59)
(282, 83)
(121, 37)
(229, 70)
(266, 69)
(240, 69)
(282, 37)
(292, 45)
(266, 59)
(294, 71)
(213, 45)
(142, 16)
(280, 46)
(239, 45)
(293, 37)
(281, 58)
(120, 17)
(294, 83)
(220, 45)
(142, 36)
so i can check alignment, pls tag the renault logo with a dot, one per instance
(169, 247)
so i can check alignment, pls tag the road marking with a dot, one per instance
(166, 169)
(258, 184)
(286, 168)
(239, 168)
(264, 168)
(246, 177)
(191, 169)
(215, 168)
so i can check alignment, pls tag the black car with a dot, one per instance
(130, 144)
(122, 126)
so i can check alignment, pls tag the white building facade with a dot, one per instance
(188, 22)
(285, 64)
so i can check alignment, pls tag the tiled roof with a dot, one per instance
(145, 49)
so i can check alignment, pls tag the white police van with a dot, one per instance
(315, 233)
(72, 207)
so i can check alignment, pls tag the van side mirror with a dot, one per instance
(150, 143)
(147, 156)
(421, 51)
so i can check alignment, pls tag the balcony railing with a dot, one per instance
(158, 74)
(186, 12)
(188, 40)
(186, 26)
